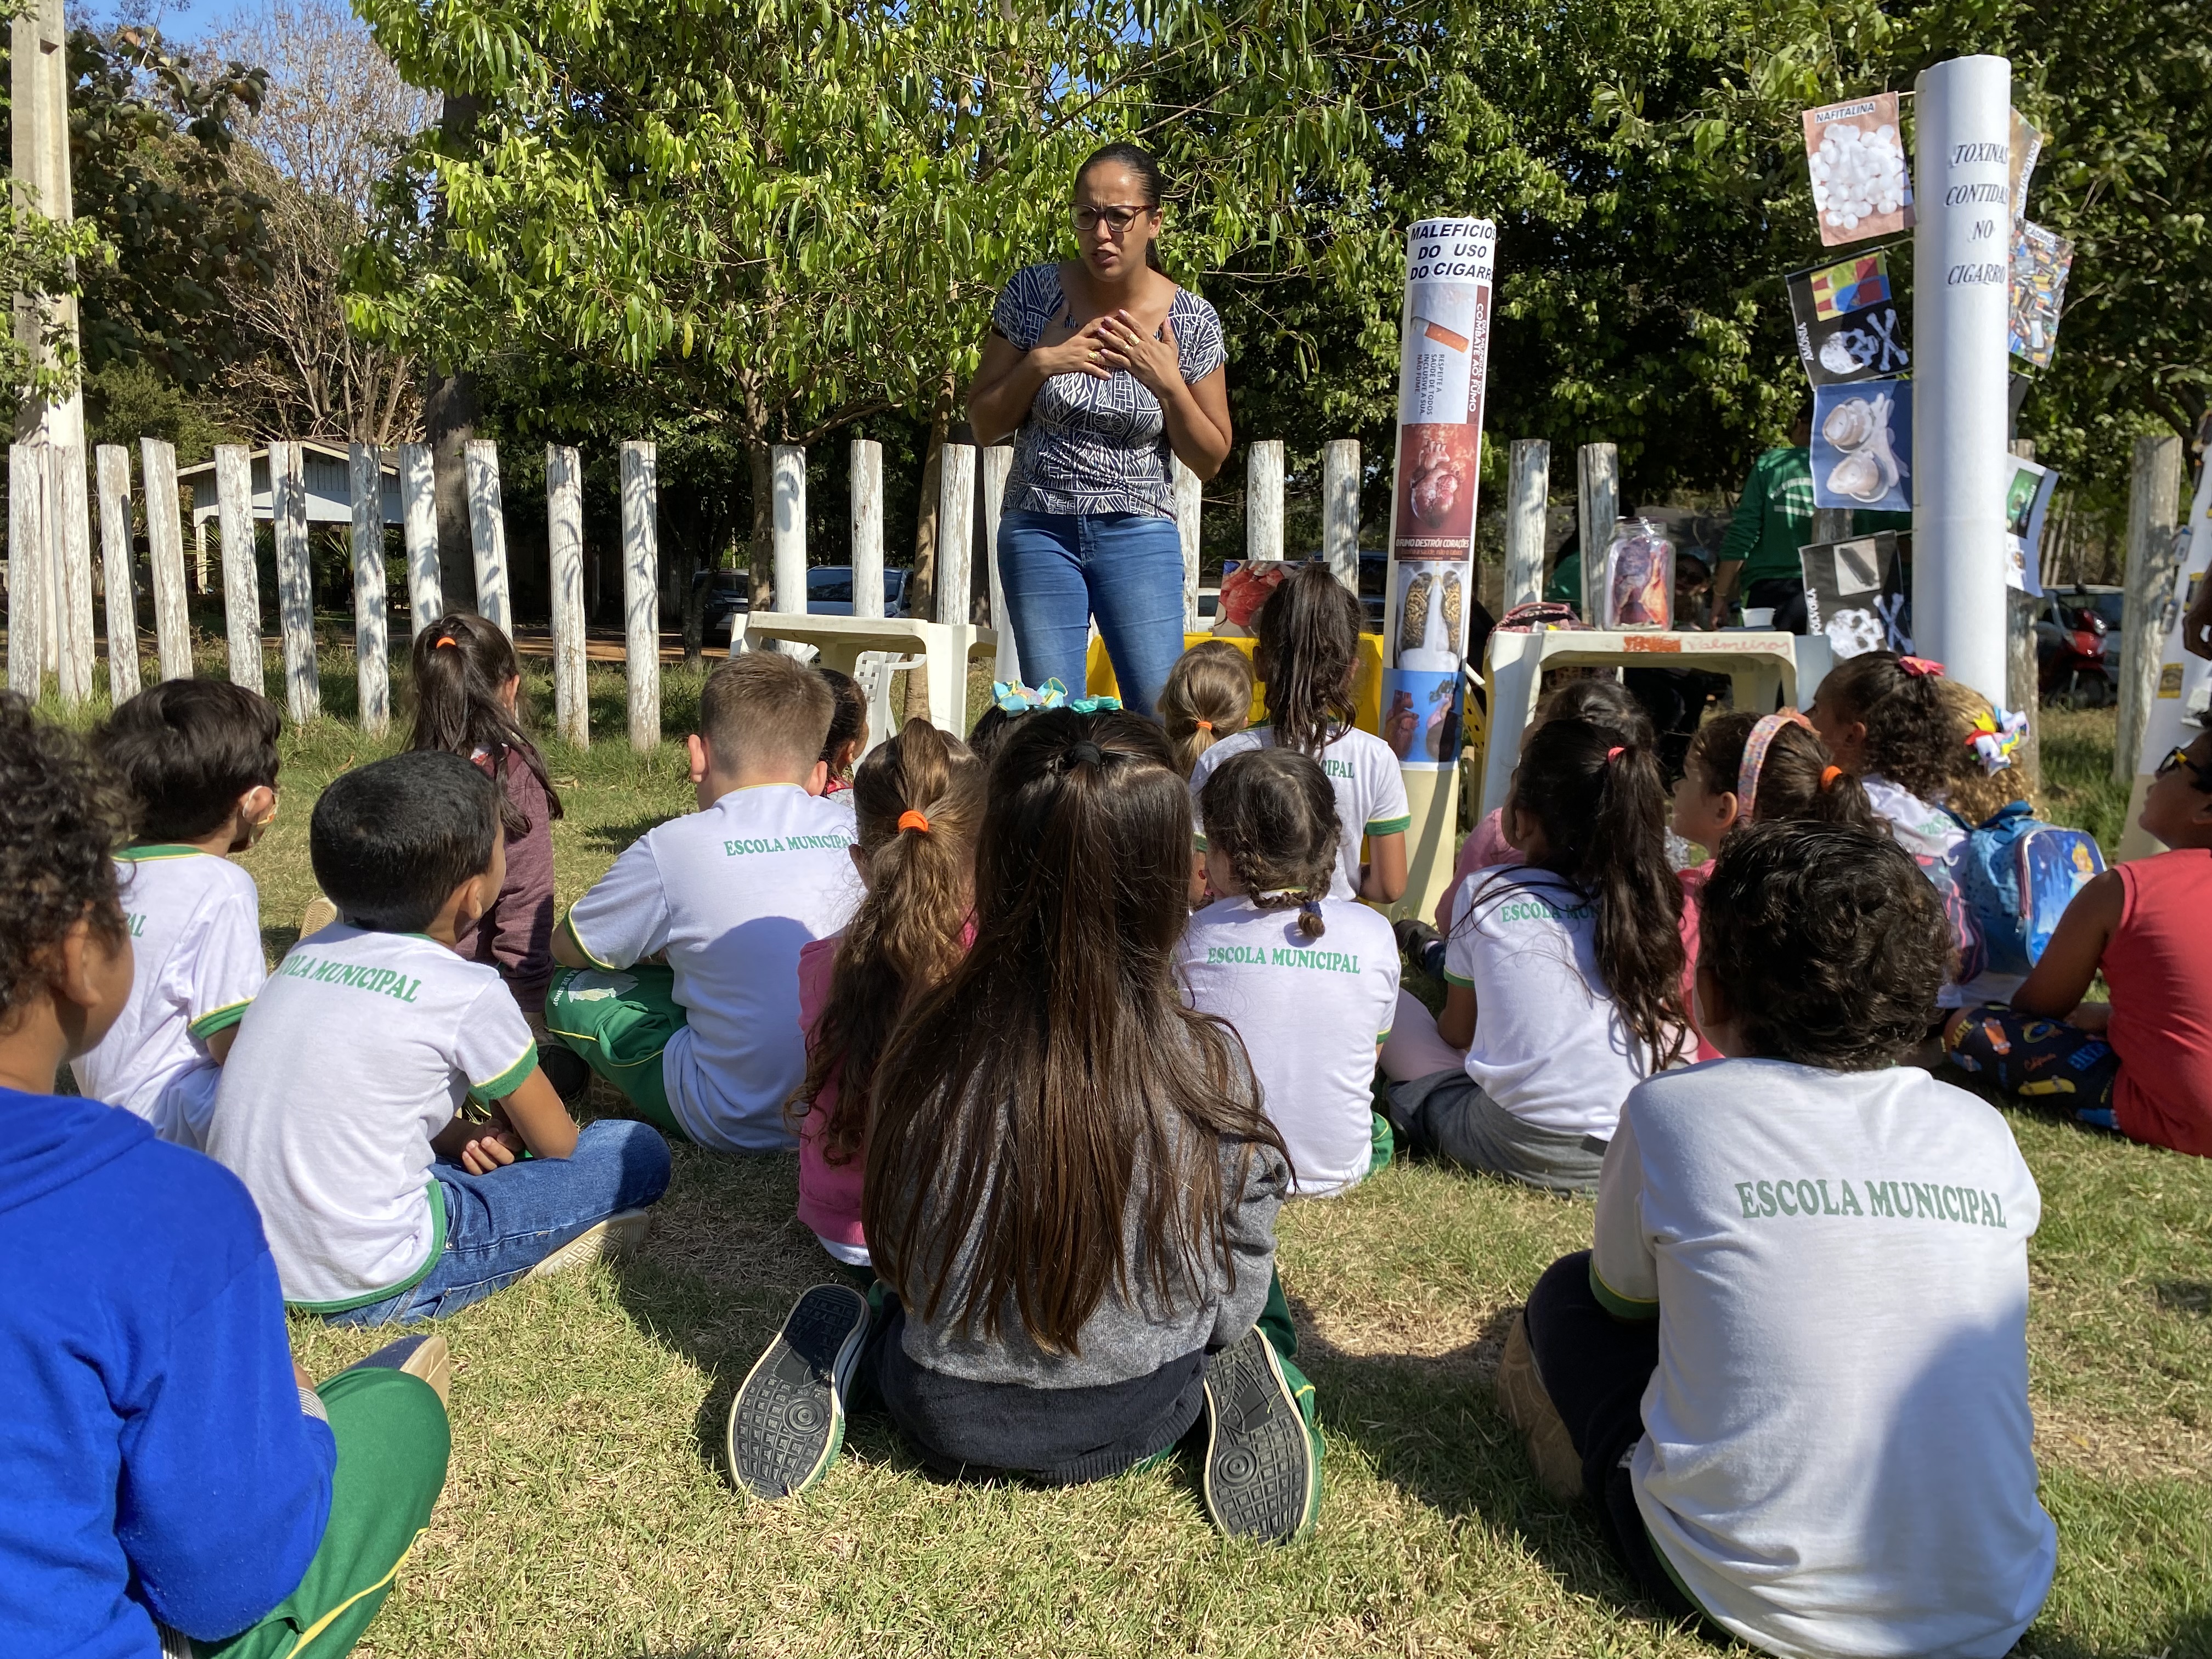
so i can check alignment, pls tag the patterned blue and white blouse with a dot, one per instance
(1088, 444)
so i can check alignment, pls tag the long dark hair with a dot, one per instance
(1271, 814)
(1908, 738)
(461, 664)
(1055, 1091)
(905, 937)
(1596, 792)
(1309, 650)
(1146, 172)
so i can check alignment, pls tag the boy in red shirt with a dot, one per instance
(2142, 1063)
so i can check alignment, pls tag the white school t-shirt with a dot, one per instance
(1837, 1454)
(1550, 1045)
(1311, 1011)
(359, 1050)
(1371, 792)
(195, 921)
(731, 894)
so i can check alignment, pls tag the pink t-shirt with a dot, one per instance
(829, 1194)
(1693, 893)
(1484, 848)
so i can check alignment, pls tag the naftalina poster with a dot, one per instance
(1444, 335)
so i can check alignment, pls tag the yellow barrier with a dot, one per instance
(1366, 689)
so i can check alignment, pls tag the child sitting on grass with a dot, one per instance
(1309, 982)
(339, 1102)
(468, 684)
(1207, 698)
(1792, 1371)
(1564, 975)
(848, 730)
(918, 802)
(708, 1048)
(199, 760)
(1070, 1186)
(2141, 1063)
(172, 1474)
(1308, 656)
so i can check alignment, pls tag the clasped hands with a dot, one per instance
(1111, 342)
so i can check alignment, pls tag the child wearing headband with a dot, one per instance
(917, 802)
(468, 687)
(1208, 698)
(1308, 980)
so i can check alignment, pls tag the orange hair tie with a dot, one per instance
(1829, 775)
(911, 819)
(443, 640)
(1202, 726)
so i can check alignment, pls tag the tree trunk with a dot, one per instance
(449, 420)
(694, 606)
(760, 555)
(922, 585)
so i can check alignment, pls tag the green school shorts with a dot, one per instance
(620, 1021)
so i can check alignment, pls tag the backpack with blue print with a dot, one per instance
(2018, 874)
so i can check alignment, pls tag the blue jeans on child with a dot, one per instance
(1060, 570)
(499, 1226)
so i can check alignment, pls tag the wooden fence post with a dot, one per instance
(371, 642)
(73, 545)
(641, 534)
(296, 581)
(564, 539)
(2154, 489)
(26, 571)
(1189, 507)
(418, 518)
(865, 478)
(1263, 499)
(53, 605)
(787, 473)
(1597, 494)
(114, 467)
(488, 534)
(998, 464)
(1340, 509)
(956, 535)
(241, 583)
(1528, 494)
(165, 554)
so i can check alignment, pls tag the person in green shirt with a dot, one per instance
(1773, 519)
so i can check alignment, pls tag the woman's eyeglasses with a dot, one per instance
(2180, 757)
(1116, 219)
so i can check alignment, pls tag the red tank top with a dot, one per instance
(2159, 965)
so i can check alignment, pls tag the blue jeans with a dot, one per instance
(499, 1226)
(1059, 569)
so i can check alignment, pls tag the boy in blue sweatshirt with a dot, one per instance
(174, 1484)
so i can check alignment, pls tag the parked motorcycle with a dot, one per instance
(2071, 667)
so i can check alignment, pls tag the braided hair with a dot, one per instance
(1271, 814)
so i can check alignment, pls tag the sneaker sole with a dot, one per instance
(319, 914)
(1262, 1480)
(433, 1362)
(787, 1421)
(615, 1237)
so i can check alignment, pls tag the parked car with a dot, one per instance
(2078, 644)
(829, 590)
(728, 594)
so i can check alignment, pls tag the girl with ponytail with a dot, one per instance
(1309, 981)
(468, 688)
(918, 802)
(1208, 699)
(1564, 974)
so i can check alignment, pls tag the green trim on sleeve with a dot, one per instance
(219, 1019)
(348, 1303)
(1450, 978)
(1391, 826)
(1619, 1306)
(508, 1080)
(568, 922)
(154, 853)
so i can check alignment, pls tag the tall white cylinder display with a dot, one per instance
(1960, 290)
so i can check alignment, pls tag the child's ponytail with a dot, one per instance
(1272, 815)
(1597, 794)
(1908, 729)
(1797, 778)
(1208, 697)
(1309, 652)
(917, 803)
(462, 666)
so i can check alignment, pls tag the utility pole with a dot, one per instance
(38, 74)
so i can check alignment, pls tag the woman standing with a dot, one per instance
(1101, 367)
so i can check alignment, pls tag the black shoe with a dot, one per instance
(1262, 1469)
(788, 1419)
(565, 1070)
(1420, 942)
